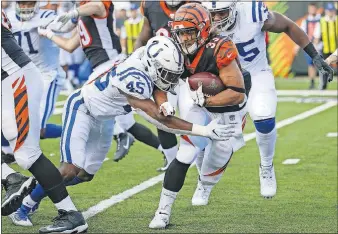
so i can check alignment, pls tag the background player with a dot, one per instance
(245, 23)
(157, 15)
(21, 82)
(204, 53)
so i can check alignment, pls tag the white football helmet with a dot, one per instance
(26, 13)
(163, 62)
(172, 3)
(226, 9)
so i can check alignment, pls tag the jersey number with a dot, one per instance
(29, 41)
(137, 88)
(247, 54)
(85, 38)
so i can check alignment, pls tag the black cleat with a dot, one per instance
(17, 187)
(124, 141)
(165, 165)
(7, 158)
(67, 222)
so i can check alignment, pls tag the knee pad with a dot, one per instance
(265, 126)
(187, 152)
(26, 157)
(9, 128)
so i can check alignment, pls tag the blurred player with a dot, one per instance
(157, 15)
(89, 113)
(21, 84)
(245, 23)
(94, 21)
(218, 55)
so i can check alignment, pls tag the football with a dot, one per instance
(211, 84)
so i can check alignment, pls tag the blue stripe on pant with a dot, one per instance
(69, 121)
(50, 97)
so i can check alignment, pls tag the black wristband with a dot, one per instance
(310, 50)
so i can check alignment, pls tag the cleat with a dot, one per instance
(66, 222)
(7, 158)
(20, 218)
(165, 166)
(201, 195)
(268, 181)
(124, 142)
(34, 209)
(17, 187)
(160, 220)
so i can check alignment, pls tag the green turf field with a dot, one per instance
(306, 199)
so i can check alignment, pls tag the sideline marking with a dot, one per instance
(291, 161)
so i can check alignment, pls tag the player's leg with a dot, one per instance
(176, 172)
(312, 72)
(51, 90)
(262, 105)
(6, 151)
(217, 156)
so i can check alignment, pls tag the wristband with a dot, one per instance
(199, 130)
(310, 50)
(50, 34)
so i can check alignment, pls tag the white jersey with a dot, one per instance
(248, 36)
(102, 97)
(42, 51)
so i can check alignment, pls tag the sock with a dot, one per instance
(171, 153)
(266, 144)
(6, 171)
(145, 135)
(199, 161)
(38, 193)
(160, 148)
(167, 200)
(7, 149)
(76, 180)
(175, 176)
(66, 204)
(28, 203)
(53, 131)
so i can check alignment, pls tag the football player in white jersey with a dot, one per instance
(245, 23)
(89, 114)
(25, 20)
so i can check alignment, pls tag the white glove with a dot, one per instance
(197, 96)
(57, 26)
(215, 131)
(66, 17)
(167, 109)
(45, 32)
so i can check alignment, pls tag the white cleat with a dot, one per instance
(201, 195)
(160, 221)
(268, 181)
(20, 219)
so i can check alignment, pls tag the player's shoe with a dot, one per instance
(268, 181)
(20, 217)
(160, 220)
(124, 141)
(7, 158)
(67, 222)
(201, 195)
(165, 165)
(17, 187)
(34, 209)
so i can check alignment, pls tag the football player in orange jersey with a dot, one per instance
(204, 53)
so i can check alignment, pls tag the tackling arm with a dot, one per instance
(144, 36)
(233, 78)
(68, 44)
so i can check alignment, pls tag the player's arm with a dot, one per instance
(160, 97)
(149, 110)
(97, 8)
(68, 44)
(333, 58)
(146, 32)
(235, 93)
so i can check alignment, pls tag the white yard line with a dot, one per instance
(332, 93)
(332, 134)
(105, 204)
(291, 161)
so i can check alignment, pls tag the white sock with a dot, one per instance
(167, 200)
(6, 171)
(266, 144)
(171, 153)
(28, 201)
(7, 149)
(160, 148)
(66, 204)
(199, 161)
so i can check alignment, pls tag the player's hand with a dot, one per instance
(63, 18)
(167, 109)
(197, 95)
(323, 67)
(45, 32)
(220, 132)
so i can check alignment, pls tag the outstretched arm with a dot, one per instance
(144, 36)
(68, 44)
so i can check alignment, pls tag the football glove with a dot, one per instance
(197, 95)
(167, 109)
(323, 67)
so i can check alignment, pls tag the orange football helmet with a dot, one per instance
(191, 27)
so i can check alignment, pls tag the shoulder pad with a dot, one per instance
(43, 14)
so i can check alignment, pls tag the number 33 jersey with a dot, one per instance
(102, 96)
(248, 36)
(43, 52)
